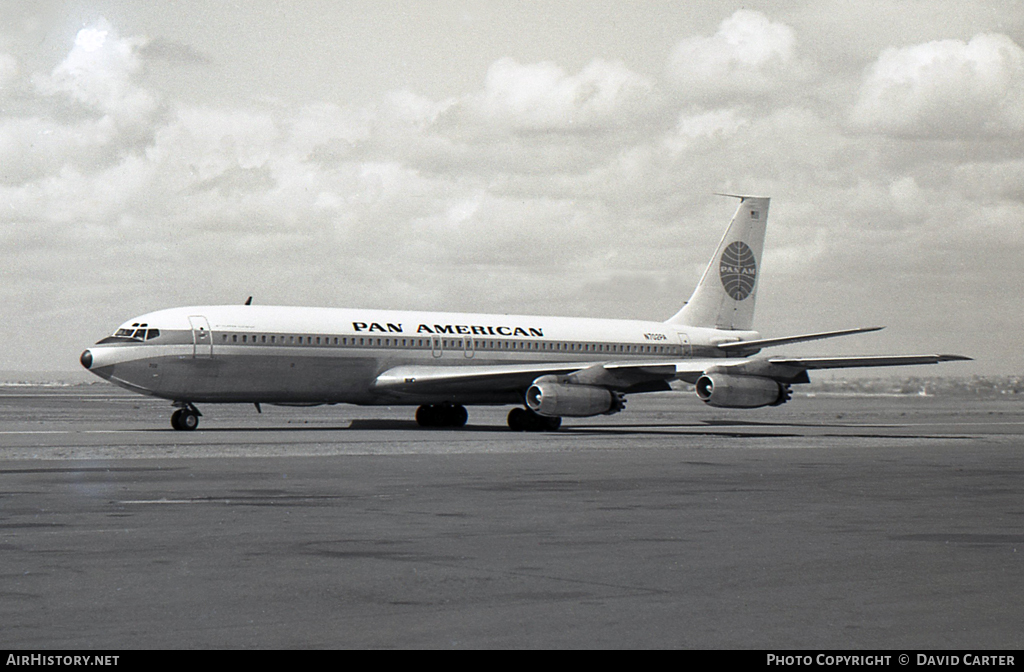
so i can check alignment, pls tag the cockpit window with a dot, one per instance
(138, 334)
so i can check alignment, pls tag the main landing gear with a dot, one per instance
(185, 418)
(525, 420)
(441, 415)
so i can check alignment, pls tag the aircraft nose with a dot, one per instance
(86, 359)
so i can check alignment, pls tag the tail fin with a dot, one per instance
(724, 298)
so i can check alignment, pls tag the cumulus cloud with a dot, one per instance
(945, 89)
(173, 52)
(703, 126)
(98, 73)
(748, 55)
(542, 96)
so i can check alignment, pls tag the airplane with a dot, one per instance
(547, 367)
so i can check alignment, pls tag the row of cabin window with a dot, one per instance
(445, 344)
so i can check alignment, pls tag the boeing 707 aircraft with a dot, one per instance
(548, 367)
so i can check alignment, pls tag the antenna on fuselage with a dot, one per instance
(248, 301)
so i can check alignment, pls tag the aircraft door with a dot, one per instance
(202, 337)
(684, 345)
(470, 346)
(435, 346)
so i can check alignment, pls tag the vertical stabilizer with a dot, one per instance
(724, 298)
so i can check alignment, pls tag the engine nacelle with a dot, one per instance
(554, 399)
(716, 389)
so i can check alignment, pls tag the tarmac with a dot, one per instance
(829, 523)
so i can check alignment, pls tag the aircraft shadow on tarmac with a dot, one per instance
(713, 427)
(701, 428)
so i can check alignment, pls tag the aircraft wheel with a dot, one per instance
(517, 420)
(426, 416)
(456, 416)
(184, 419)
(441, 415)
(523, 420)
(189, 420)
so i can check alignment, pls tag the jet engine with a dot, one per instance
(554, 399)
(716, 389)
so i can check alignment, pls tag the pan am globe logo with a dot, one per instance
(738, 270)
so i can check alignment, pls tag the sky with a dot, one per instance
(550, 158)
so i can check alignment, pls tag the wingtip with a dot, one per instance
(955, 358)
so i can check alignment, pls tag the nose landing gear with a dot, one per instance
(185, 418)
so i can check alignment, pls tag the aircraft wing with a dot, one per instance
(631, 376)
(867, 360)
(434, 379)
(496, 378)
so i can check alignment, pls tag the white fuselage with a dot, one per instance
(291, 355)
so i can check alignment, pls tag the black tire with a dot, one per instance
(456, 416)
(176, 419)
(517, 420)
(188, 420)
(552, 424)
(525, 420)
(441, 415)
(428, 416)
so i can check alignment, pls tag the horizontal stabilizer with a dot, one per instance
(754, 346)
